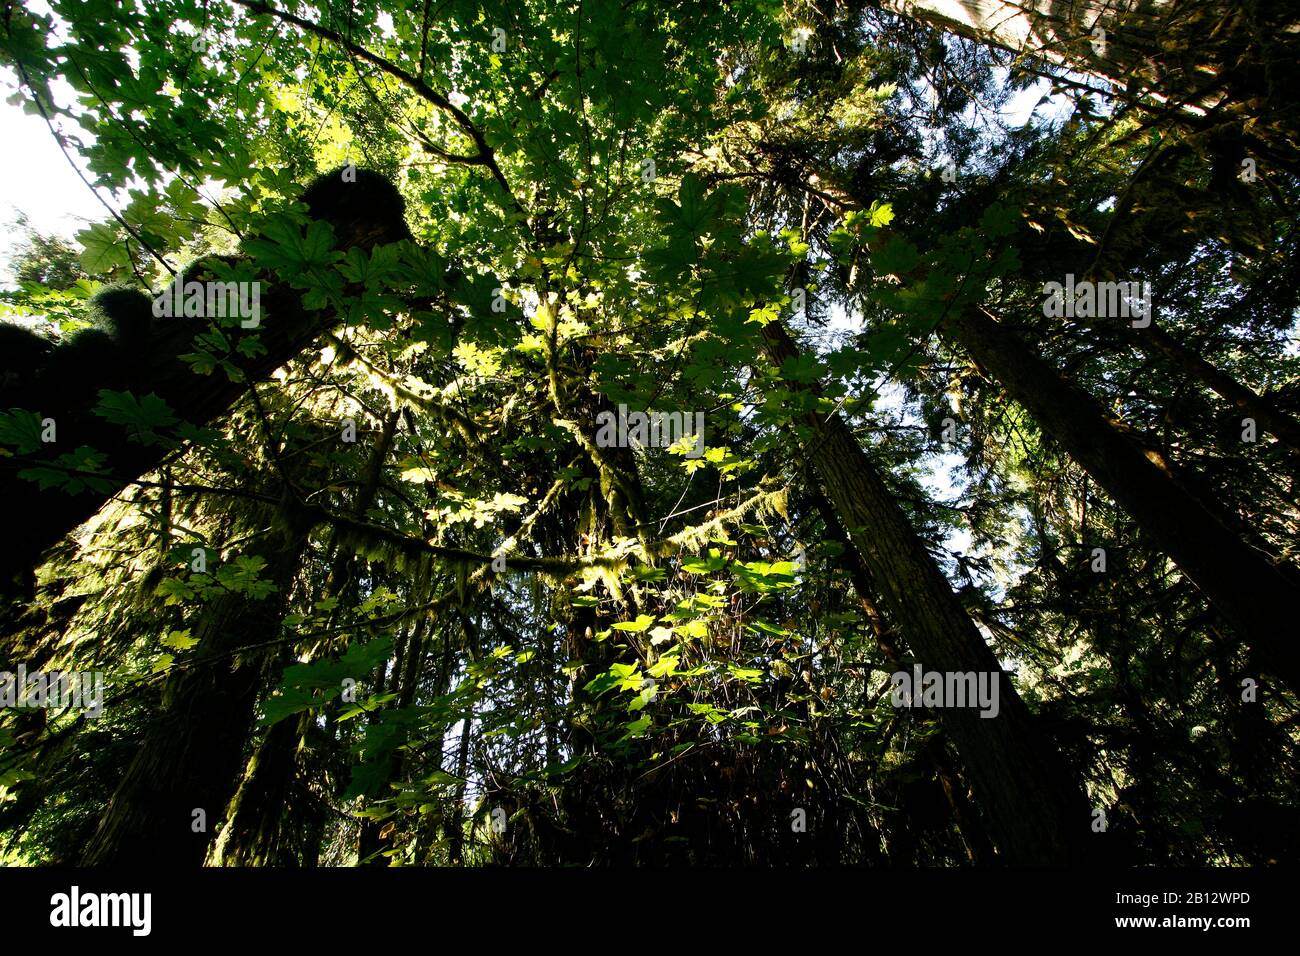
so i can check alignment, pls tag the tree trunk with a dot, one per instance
(285, 329)
(1257, 598)
(973, 834)
(256, 821)
(1060, 33)
(1200, 63)
(190, 756)
(1036, 814)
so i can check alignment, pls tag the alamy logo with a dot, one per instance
(103, 909)
(56, 689)
(1101, 300)
(212, 300)
(650, 429)
(946, 689)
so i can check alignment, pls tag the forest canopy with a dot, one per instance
(606, 433)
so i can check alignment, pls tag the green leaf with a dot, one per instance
(308, 686)
(102, 249)
(642, 622)
(896, 257)
(998, 221)
(144, 417)
(179, 640)
(21, 430)
(882, 214)
(74, 473)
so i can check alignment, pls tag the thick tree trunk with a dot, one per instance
(1036, 813)
(190, 756)
(973, 833)
(252, 835)
(259, 814)
(285, 329)
(1060, 32)
(1257, 598)
(1200, 63)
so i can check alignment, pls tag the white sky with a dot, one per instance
(36, 179)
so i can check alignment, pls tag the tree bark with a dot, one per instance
(190, 756)
(1059, 32)
(1036, 813)
(256, 820)
(285, 329)
(252, 835)
(455, 818)
(1257, 597)
(1198, 63)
